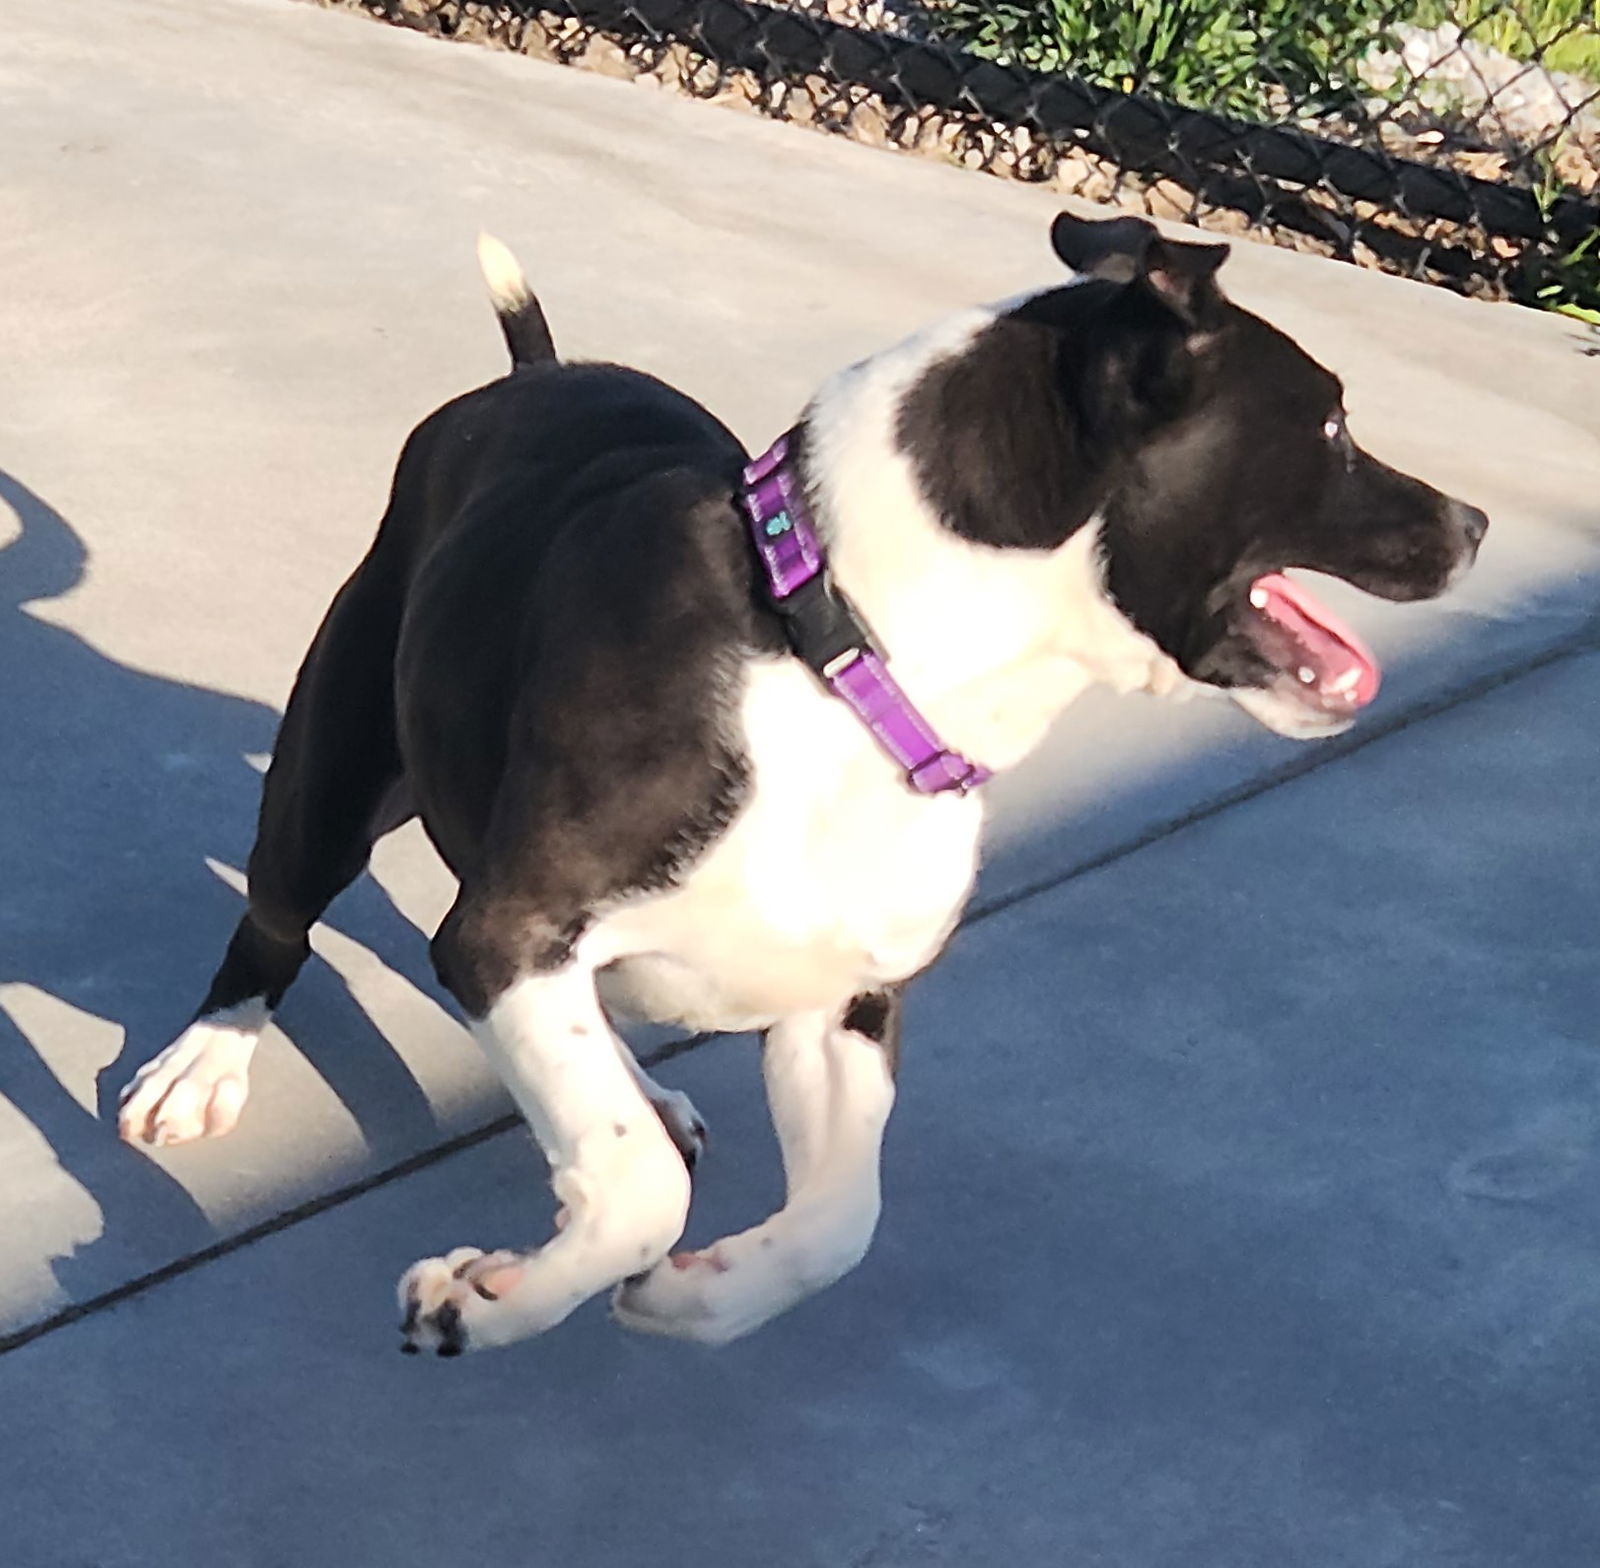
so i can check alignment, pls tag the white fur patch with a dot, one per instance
(198, 1085)
(835, 878)
(508, 288)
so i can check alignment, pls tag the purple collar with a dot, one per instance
(828, 635)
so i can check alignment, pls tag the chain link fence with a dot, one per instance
(1457, 141)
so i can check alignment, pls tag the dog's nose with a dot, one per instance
(1472, 523)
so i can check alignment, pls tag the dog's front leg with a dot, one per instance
(830, 1085)
(620, 1179)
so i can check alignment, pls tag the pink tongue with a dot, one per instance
(1342, 666)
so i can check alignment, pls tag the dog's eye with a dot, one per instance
(1333, 427)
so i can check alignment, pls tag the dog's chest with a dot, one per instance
(835, 877)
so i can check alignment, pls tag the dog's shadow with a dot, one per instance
(115, 787)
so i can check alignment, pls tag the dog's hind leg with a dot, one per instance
(334, 786)
(830, 1083)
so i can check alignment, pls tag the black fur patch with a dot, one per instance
(876, 1016)
(1002, 455)
(452, 1336)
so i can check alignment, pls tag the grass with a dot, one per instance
(1569, 282)
(1224, 54)
(1231, 54)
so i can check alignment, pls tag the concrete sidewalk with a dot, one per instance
(1298, 1264)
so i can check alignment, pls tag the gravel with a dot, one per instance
(1506, 99)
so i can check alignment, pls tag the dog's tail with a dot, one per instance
(521, 319)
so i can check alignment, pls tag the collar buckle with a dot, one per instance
(825, 630)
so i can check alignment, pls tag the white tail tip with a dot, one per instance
(507, 286)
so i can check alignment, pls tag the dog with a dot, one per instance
(703, 740)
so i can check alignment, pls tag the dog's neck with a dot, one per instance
(990, 643)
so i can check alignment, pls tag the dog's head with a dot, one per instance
(1229, 462)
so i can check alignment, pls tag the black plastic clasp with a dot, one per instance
(822, 624)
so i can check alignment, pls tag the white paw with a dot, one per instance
(712, 1296)
(441, 1297)
(735, 1285)
(197, 1087)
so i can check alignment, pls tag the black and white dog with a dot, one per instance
(570, 653)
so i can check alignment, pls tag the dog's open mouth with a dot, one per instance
(1319, 658)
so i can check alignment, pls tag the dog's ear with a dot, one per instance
(1131, 250)
(1110, 248)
